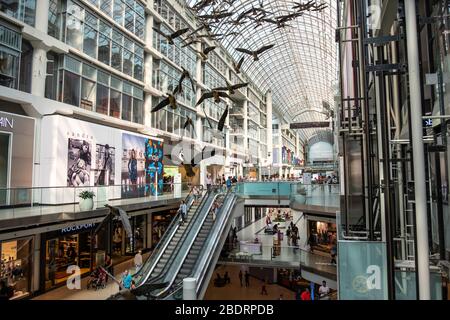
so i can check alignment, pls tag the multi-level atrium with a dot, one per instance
(204, 149)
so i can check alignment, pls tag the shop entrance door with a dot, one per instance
(4, 167)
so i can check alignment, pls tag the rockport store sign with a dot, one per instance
(78, 228)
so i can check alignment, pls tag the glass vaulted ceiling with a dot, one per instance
(301, 70)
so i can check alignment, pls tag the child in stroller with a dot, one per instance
(97, 279)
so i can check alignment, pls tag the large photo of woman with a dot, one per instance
(141, 164)
(79, 163)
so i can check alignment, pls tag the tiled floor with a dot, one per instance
(234, 291)
(63, 293)
(318, 260)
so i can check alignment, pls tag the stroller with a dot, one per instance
(97, 279)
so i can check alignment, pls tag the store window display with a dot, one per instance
(15, 267)
(124, 246)
(64, 251)
(321, 235)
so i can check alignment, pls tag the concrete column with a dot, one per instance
(422, 254)
(148, 30)
(39, 68)
(41, 19)
(189, 289)
(275, 275)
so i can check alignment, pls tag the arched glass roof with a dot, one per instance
(301, 69)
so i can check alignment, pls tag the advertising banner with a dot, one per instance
(142, 166)
(362, 270)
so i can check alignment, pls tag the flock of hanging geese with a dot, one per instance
(210, 13)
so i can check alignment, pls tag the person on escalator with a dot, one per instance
(183, 212)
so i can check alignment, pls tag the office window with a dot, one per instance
(102, 99)
(104, 49)
(138, 111)
(116, 56)
(90, 42)
(71, 93)
(127, 102)
(23, 10)
(26, 60)
(114, 103)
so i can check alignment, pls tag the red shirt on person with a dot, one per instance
(305, 295)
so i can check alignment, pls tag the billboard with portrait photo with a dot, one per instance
(141, 163)
(79, 162)
(104, 171)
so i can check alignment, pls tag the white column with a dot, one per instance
(269, 126)
(41, 19)
(39, 68)
(148, 69)
(245, 125)
(422, 254)
(199, 129)
(147, 110)
(148, 30)
(203, 172)
(189, 289)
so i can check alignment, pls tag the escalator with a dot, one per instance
(188, 251)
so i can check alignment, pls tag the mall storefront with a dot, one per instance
(16, 158)
(321, 232)
(78, 244)
(16, 265)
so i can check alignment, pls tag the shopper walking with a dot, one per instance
(333, 252)
(126, 280)
(229, 184)
(138, 260)
(263, 289)
(240, 277)
(208, 182)
(247, 279)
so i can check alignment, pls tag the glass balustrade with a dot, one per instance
(26, 202)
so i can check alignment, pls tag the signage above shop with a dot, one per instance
(78, 228)
(6, 122)
(306, 125)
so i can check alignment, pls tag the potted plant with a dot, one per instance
(86, 202)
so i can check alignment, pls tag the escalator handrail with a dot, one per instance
(219, 225)
(211, 242)
(165, 240)
(182, 239)
(184, 253)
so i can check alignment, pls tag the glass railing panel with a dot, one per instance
(25, 202)
(362, 270)
(247, 251)
(405, 285)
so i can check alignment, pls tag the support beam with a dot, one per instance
(422, 254)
